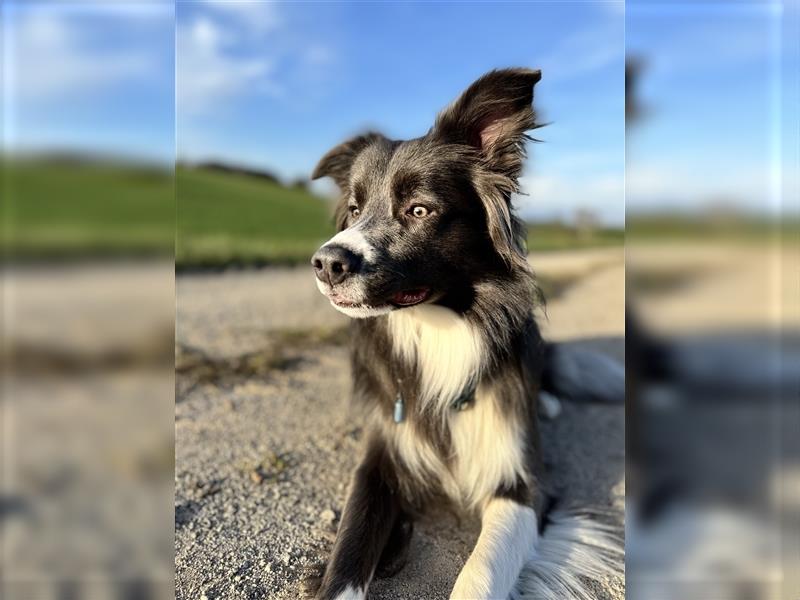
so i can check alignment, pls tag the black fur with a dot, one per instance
(368, 520)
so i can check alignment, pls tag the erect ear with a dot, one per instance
(492, 116)
(339, 160)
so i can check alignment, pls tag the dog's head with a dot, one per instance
(420, 220)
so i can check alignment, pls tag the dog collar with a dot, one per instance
(462, 402)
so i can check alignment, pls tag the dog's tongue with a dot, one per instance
(409, 297)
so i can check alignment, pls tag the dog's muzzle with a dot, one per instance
(333, 264)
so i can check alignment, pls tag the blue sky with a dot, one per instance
(718, 77)
(275, 85)
(89, 76)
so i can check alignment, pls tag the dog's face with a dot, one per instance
(419, 220)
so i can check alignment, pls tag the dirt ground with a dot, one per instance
(265, 441)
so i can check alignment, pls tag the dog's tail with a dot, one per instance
(579, 375)
(576, 552)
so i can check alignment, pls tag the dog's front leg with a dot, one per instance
(367, 521)
(507, 541)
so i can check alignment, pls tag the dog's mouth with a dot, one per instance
(400, 299)
(342, 303)
(410, 297)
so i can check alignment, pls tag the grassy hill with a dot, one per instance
(544, 237)
(233, 218)
(68, 207)
(211, 217)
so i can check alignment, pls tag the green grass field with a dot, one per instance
(544, 237)
(211, 219)
(228, 218)
(56, 209)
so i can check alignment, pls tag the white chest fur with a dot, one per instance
(486, 443)
(487, 447)
(446, 349)
(486, 451)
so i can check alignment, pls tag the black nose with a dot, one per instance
(333, 264)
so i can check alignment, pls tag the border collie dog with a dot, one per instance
(447, 359)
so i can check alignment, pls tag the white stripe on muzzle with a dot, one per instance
(353, 239)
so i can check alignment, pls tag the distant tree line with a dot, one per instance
(220, 167)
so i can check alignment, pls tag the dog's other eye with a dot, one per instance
(419, 212)
(354, 212)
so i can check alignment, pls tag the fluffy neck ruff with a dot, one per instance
(446, 351)
(450, 352)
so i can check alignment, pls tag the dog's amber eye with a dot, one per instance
(419, 211)
(354, 212)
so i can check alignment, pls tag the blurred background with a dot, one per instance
(88, 299)
(712, 300)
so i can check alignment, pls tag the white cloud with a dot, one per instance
(49, 58)
(228, 51)
(318, 55)
(208, 76)
(255, 15)
(560, 196)
(687, 187)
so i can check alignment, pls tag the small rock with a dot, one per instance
(328, 516)
(256, 476)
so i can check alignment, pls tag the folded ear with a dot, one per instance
(339, 160)
(492, 116)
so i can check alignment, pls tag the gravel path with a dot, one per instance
(265, 440)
